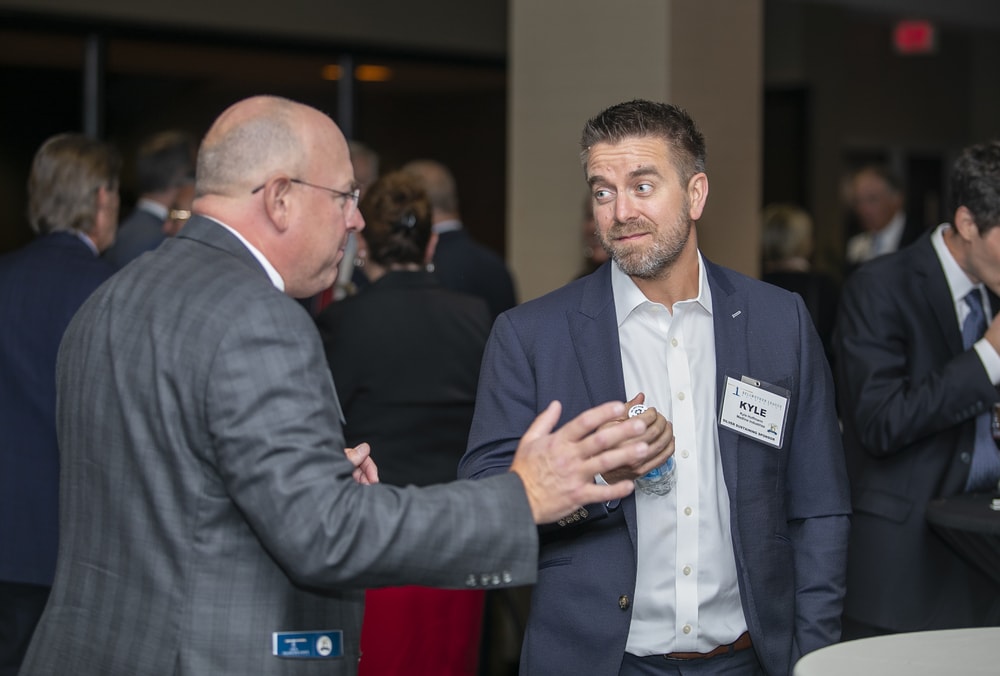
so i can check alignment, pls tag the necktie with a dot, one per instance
(985, 467)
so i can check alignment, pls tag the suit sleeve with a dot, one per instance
(506, 404)
(888, 400)
(818, 499)
(278, 451)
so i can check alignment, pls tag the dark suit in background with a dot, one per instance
(73, 208)
(41, 286)
(465, 265)
(909, 395)
(405, 356)
(142, 231)
(461, 263)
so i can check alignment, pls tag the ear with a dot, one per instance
(277, 202)
(697, 190)
(105, 226)
(431, 247)
(965, 224)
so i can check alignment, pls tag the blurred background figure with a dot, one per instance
(876, 198)
(787, 250)
(73, 210)
(164, 167)
(460, 262)
(405, 355)
(594, 255)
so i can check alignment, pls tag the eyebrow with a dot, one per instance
(645, 170)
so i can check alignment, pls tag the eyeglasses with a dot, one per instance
(350, 198)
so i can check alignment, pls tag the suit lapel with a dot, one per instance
(593, 328)
(729, 318)
(933, 285)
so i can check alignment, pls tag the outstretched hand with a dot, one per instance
(558, 467)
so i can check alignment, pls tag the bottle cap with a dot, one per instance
(636, 410)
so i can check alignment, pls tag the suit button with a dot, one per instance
(623, 602)
(965, 457)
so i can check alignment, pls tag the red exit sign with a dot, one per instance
(914, 37)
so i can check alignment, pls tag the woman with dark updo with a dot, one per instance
(405, 355)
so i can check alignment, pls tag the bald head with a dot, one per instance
(278, 172)
(254, 139)
(439, 185)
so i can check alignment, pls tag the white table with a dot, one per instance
(950, 652)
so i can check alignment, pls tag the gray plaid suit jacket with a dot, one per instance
(206, 501)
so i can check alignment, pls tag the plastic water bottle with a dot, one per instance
(661, 480)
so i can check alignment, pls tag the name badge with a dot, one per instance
(311, 645)
(756, 410)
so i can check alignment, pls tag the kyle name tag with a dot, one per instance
(308, 645)
(756, 410)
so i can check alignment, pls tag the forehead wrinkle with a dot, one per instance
(638, 172)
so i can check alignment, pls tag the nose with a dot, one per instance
(624, 207)
(356, 222)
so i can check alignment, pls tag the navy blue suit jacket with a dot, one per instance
(789, 506)
(41, 287)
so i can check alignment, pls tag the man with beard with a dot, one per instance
(747, 548)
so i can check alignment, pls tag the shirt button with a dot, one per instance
(686, 629)
(687, 511)
(687, 570)
(681, 396)
(623, 602)
(673, 341)
(684, 453)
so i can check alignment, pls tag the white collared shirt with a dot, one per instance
(272, 273)
(153, 207)
(865, 246)
(960, 285)
(687, 596)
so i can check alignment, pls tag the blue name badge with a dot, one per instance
(308, 645)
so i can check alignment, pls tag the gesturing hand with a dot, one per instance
(558, 468)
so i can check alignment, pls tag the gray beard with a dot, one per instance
(653, 261)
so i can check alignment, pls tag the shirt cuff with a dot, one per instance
(990, 359)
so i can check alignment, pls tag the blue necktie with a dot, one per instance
(985, 467)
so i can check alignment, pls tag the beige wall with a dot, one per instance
(571, 58)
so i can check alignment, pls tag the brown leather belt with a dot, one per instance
(742, 643)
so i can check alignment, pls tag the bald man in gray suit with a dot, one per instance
(212, 521)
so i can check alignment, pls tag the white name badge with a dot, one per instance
(756, 410)
(308, 644)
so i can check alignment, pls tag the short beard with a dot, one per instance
(655, 259)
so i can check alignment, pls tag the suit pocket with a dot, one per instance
(884, 505)
(554, 562)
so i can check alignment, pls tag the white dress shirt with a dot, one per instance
(960, 285)
(687, 596)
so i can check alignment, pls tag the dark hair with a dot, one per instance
(165, 160)
(975, 184)
(398, 219)
(639, 118)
